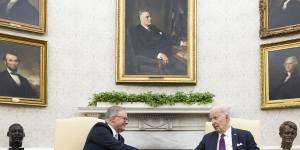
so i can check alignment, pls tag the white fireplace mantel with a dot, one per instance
(140, 108)
(166, 127)
(178, 117)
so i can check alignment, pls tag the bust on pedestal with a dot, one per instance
(288, 132)
(16, 135)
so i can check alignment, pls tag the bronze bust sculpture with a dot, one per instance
(288, 132)
(16, 135)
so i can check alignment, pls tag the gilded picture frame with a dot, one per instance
(26, 15)
(280, 79)
(172, 21)
(23, 71)
(279, 17)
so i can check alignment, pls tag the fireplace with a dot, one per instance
(169, 127)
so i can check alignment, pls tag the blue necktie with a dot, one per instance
(222, 143)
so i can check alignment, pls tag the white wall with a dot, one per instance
(81, 39)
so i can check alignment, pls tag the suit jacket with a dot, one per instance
(288, 89)
(22, 12)
(149, 43)
(8, 87)
(101, 138)
(241, 140)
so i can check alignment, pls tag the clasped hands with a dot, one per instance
(163, 57)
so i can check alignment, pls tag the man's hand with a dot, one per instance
(164, 58)
(183, 43)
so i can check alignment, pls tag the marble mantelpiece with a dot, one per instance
(167, 127)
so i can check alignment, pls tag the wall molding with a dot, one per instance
(144, 118)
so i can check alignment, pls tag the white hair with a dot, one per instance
(113, 111)
(140, 12)
(224, 109)
(292, 59)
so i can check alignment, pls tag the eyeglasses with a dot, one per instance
(124, 118)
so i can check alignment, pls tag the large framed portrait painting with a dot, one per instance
(280, 74)
(23, 71)
(28, 15)
(156, 41)
(279, 17)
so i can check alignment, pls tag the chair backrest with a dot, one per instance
(251, 125)
(71, 133)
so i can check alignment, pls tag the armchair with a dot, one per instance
(71, 134)
(251, 125)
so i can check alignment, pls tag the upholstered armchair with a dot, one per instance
(251, 125)
(71, 133)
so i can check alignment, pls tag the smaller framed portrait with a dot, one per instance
(156, 41)
(23, 71)
(28, 15)
(279, 17)
(280, 74)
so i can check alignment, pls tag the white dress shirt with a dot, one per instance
(284, 6)
(10, 4)
(287, 77)
(115, 134)
(227, 139)
(14, 77)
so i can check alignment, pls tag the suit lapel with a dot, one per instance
(215, 140)
(234, 138)
(10, 80)
(120, 138)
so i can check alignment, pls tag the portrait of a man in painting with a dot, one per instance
(19, 72)
(22, 11)
(283, 13)
(284, 77)
(279, 17)
(156, 33)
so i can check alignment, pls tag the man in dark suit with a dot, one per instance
(285, 14)
(19, 10)
(225, 137)
(105, 136)
(12, 83)
(289, 86)
(150, 42)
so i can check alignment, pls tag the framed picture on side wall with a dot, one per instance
(28, 15)
(279, 17)
(23, 71)
(156, 41)
(280, 74)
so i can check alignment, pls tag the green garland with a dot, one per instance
(153, 99)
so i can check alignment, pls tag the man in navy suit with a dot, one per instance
(105, 136)
(225, 137)
(12, 83)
